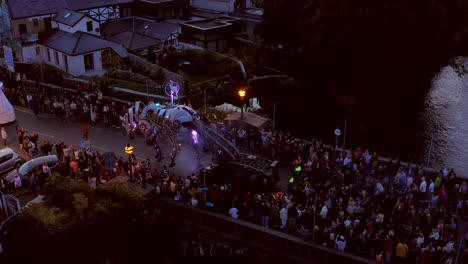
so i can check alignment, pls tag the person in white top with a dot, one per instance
(233, 212)
(194, 202)
(420, 240)
(18, 183)
(431, 186)
(423, 186)
(324, 212)
(4, 136)
(409, 181)
(92, 182)
(284, 216)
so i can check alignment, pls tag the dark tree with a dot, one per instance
(151, 56)
(79, 225)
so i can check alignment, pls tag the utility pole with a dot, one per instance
(204, 95)
(274, 117)
(147, 92)
(460, 245)
(204, 183)
(344, 133)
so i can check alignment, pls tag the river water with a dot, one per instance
(446, 113)
(434, 133)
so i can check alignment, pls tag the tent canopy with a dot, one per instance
(7, 113)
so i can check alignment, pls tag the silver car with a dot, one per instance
(25, 170)
(9, 160)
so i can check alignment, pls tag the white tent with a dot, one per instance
(227, 108)
(7, 113)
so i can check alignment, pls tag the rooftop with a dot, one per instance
(78, 43)
(68, 17)
(252, 14)
(141, 26)
(210, 23)
(134, 41)
(30, 8)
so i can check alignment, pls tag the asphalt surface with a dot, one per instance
(105, 138)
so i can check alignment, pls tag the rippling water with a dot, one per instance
(447, 117)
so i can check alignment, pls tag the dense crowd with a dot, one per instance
(348, 200)
(85, 104)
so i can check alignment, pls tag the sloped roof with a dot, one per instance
(87, 4)
(160, 31)
(134, 41)
(249, 118)
(30, 8)
(70, 20)
(78, 43)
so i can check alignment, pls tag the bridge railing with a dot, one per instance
(275, 246)
(222, 142)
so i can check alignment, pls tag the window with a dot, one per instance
(6, 158)
(48, 54)
(38, 51)
(57, 61)
(89, 62)
(89, 26)
(35, 22)
(126, 12)
(65, 61)
(23, 29)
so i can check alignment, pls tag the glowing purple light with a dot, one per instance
(172, 90)
(195, 137)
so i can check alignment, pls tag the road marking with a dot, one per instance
(24, 110)
(44, 134)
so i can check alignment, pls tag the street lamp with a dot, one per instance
(242, 95)
(337, 133)
(129, 149)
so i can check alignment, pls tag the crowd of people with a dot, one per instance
(85, 104)
(348, 200)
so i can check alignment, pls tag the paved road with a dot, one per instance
(104, 138)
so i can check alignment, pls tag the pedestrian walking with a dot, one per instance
(173, 157)
(4, 136)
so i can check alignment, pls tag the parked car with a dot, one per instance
(25, 170)
(9, 160)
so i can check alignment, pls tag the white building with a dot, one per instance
(71, 22)
(73, 45)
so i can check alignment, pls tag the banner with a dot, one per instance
(8, 52)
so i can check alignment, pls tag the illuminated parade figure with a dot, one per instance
(172, 90)
(156, 120)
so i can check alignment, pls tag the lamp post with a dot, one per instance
(129, 149)
(242, 95)
(337, 133)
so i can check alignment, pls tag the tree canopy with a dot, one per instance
(77, 224)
